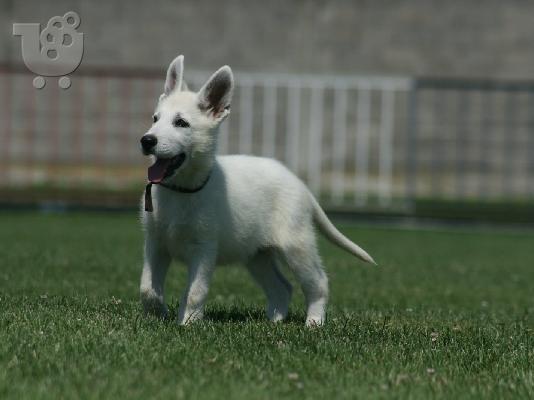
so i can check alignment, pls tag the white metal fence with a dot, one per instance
(337, 133)
(356, 141)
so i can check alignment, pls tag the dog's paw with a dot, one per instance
(190, 318)
(314, 322)
(153, 305)
(277, 314)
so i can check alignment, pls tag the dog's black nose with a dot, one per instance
(148, 141)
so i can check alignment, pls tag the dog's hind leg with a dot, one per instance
(305, 263)
(156, 264)
(264, 269)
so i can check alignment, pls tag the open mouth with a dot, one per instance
(164, 167)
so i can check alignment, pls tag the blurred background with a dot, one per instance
(385, 108)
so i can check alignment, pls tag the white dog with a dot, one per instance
(206, 210)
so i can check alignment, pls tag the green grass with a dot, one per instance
(446, 315)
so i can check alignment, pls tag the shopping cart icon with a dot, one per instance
(55, 51)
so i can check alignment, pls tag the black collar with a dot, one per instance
(179, 189)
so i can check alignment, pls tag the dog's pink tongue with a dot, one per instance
(156, 172)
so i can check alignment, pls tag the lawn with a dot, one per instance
(448, 314)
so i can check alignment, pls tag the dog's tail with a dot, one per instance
(335, 236)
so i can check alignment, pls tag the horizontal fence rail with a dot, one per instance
(356, 141)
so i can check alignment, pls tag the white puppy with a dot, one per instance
(205, 210)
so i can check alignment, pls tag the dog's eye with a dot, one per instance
(155, 118)
(180, 123)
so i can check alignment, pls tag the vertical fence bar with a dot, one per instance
(151, 95)
(509, 133)
(246, 117)
(269, 119)
(101, 133)
(126, 91)
(315, 139)
(53, 126)
(460, 167)
(29, 134)
(411, 145)
(521, 144)
(530, 145)
(79, 122)
(7, 95)
(440, 117)
(339, 145)
(385, 160)
(42, 138)
(475, 155)
(486, 115)
(293, 126)
(363, 134)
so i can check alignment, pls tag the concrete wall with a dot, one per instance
(490, 38)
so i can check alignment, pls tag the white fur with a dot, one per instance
(252, 210)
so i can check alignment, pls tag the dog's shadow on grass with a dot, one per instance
(235, 314)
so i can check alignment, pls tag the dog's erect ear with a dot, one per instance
(216, 94)
(175, 75)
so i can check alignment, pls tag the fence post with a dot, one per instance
(293, 126)
(339, 136)
(315, 139)
(460, 167)
(411, 145)
(269, 118)
(509, 137)
(246, 110)
(530, 148)
(7, 89)
(363, 127)
(439, 110)
(385, 148)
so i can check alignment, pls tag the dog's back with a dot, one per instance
(268, 203)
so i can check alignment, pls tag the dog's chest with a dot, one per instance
(182, 224)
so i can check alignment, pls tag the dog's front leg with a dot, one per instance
(156, 263)
(200, 264)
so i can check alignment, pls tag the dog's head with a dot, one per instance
(185, 123)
